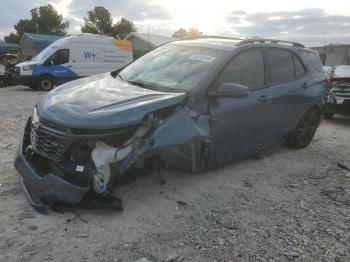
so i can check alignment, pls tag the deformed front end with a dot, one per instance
(63, 165)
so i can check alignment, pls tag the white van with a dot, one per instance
(74, 57)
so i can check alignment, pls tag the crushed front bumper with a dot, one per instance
(46, 189)
(340, 108)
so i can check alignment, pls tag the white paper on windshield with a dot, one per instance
(202, 58)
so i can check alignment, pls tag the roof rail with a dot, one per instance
(210, 36)
(274, 41)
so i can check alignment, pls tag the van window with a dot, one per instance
(313, 59)
(281, 65)
(245, 69)
(60, 57)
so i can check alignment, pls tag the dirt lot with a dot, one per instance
(291, 205)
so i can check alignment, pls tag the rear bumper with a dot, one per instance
(49, 188)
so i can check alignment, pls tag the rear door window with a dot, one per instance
(247, 69)
(281, 65)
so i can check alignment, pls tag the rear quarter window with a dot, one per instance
(313, 59)
(281, 65)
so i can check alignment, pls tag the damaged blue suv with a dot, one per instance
(190, 104)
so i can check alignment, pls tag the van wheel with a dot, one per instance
(3, 82)
(305, 130)
(45, 83)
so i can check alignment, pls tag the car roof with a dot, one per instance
(232, 43)
(215, 43)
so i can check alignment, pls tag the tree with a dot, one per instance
(12, 38)
(180, 33)
(191, 33)
(99, 21)
(44, 20)
(122, 28)
(25, 26)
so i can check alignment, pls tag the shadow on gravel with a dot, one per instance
(340, 120)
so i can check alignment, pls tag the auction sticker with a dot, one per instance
(202, 58)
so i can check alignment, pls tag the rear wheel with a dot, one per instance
(3, 81)
(305, 130)
(45, 83)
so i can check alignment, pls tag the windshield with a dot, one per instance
(172, 67)
(43, 55)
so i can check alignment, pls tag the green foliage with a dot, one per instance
(44, 20)
(100, 21)
(191, 33)
(12, 38)
(47, 21)
(122, 28)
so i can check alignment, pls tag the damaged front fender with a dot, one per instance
(182, 127)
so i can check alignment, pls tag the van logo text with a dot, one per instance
(89, 55)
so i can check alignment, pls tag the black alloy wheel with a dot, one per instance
(305, 130)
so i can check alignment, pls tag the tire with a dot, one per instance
(305, 130)
(45, 83)
(3, 82)
(328, 115)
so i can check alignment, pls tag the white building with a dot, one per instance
(334, 55)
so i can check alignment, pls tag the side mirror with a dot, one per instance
(231, 90)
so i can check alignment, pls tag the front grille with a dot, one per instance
(47, 142)
(342, 89)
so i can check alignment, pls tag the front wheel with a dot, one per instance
(305, 130)
(45, 83)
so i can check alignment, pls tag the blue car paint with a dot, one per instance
(101, 102)
(202, 126)
(60, 74)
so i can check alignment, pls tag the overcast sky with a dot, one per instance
(312, 22)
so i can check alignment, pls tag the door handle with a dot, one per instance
(305, 85)
(265, 99)
(69, 66)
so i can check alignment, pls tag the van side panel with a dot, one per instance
(90, 59)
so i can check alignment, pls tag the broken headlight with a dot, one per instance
(35, 118)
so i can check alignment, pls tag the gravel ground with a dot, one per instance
(290, 205)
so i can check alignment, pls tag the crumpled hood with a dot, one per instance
(102, 101)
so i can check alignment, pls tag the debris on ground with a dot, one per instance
(343, 165)
(337, 194)
(290, 254)
(143, 259)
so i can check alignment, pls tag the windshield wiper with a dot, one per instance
(142, 84)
